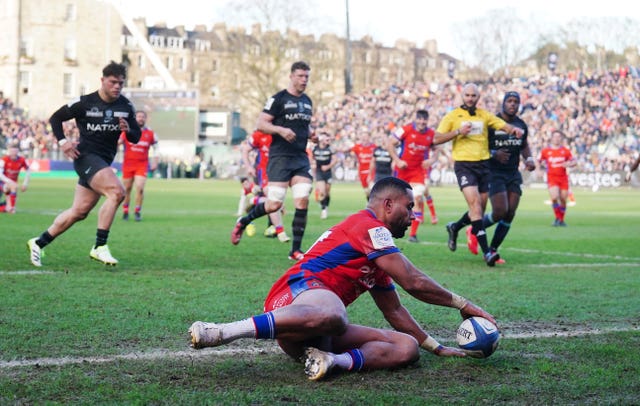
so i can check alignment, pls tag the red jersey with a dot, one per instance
(554, 158)
(364, 153)
(414, 145)
(341, 260)
(248, 189)
(261, 142)
(139, 152)
(11, 168)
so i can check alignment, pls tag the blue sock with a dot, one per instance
(265, 325)
(358, 359)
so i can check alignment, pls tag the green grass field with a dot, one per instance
(77, 332)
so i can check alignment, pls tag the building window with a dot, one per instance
(25, 82)
(174, 42)
(183, 63)
(168, 62)
(214, 65)
(141, 62)
(26, 47)
(70, 12)
(156, 41)
(70, 53)
(67, 84)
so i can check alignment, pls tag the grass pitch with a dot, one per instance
(75, 331)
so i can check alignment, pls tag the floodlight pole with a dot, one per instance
(347, 74)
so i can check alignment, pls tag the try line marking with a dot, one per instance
(154, 355)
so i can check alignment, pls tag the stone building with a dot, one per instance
(53, 51)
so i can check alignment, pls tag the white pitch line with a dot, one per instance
(160, 354)
(29, 272)
(556, 253)
(566, 333)
(593, 265)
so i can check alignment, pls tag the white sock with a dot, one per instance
(238, 329)
(343, 361)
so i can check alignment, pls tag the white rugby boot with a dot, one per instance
(102, 254)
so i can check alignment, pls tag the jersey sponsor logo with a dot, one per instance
(103, 127)
(298, 116)
(477, 127)
(291, 105)
(269, 103)
(381, 237)
(108, 116)
(306, 106)
(464, 181)
(511, 142)
(122, 114)
(94, 112)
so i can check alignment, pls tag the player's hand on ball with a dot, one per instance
(449, 352)
(471, 310)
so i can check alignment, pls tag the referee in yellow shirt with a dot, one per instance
(468, 127)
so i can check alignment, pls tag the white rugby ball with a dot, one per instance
(478, 337)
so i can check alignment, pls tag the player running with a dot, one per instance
(556, 158)
(412, 163)
(136, 165)
(10, 167)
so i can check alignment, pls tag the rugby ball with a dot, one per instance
(478, 337)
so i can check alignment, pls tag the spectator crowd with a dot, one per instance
(598, 111)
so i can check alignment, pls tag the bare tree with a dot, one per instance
(498, 39)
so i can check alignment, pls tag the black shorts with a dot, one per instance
(87, 165)
(501, 181)
(323, 176)
(473, 173)
(284, 168)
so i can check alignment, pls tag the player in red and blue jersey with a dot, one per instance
(413, 162)
(305, 311)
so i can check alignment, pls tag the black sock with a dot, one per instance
(464, 221)
(44, 239)
(101, 237)
(478, 230)
(297, 228)
(257, 211)
(499, 235)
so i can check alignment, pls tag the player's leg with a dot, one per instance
(321, 189)
(327, 198)
(504, 224)
(554, 196)
(418, 201)
(429, 201)
(127, 182)
(84, 200)
(139, 182)
(106, 183)
(313, 313)
(562, 205)
(300, 190)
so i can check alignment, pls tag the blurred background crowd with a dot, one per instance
(598, 112)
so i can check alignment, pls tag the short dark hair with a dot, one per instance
(389, 183)
(242, 179)
(422, 113)
(300, 65)
(114, 69)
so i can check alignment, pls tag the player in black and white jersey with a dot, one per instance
(505, 178)
(287, 116)
(325, 160)
(101, 117)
